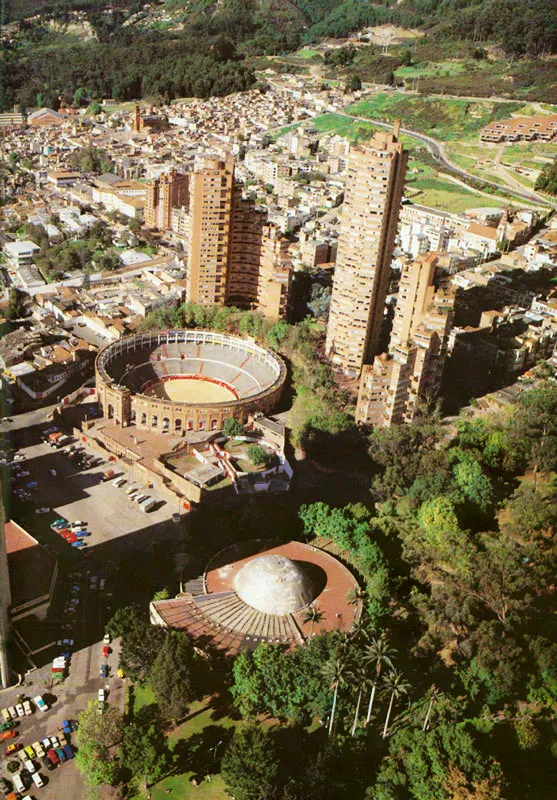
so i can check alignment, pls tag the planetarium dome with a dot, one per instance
(274, 584)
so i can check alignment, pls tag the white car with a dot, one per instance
(54, 741)
(20, 710)
(42, 510)
(46, 743)
(77, 523)
(106, 638)
(18, 457)
(40, 703)
(39, 749)
(29, 766)
(27, 708)
(102, 696)
(18, 783)
(37, 780)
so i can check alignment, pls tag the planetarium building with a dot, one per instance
(257, 591)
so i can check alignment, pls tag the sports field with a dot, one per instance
(190, 390)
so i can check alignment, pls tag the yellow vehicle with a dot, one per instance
(120, 673)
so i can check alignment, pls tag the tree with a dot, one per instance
(312, 615)
(15, 304)
(533, 428)
(547, 179)
(175, 675)
(377, 654)
(250, 765)
(354, 84)
(396, 686)
(162, 594)
(257, 454)
(141, 641)
(231, 427)
(334, 672)
(144, 751)
(422, 763)
(97, 734)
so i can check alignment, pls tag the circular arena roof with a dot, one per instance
(239, 366)
(274, 584)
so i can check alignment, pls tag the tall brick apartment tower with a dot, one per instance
(373, 194)
(211, 189)
(391, 388)
(170, 190)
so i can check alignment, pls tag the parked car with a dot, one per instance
(78, 543)
(6, 726)
(39, 749)
(5, 786)
(12, 748)
(47, 763)
(20, 710)
(102, 695)
(54, 741)
(27, 707)
(53, 756)
(18, 783)
(5, 735)
(68, 751)
(12, 712)
(104, 671)
(29, 751)
(46, 743)
(106, 651)
(106, 638)
(61, 755)
(38, 780)
(29, 766)
(6, 715)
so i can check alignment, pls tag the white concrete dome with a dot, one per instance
(274, 584)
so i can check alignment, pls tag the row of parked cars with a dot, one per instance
(72, 532)
(49, 752)
(11, 715)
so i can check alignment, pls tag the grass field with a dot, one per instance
(353, 130)
(198, 735)
(437, 192)
(440, 69)
(442, 118)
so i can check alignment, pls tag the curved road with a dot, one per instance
(436, 149)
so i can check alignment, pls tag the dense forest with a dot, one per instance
(211, 51)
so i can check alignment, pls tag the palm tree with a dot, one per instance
(354, 595)
(378, 654)
(434, 695)
(334, 671)
(397, 685)
(313, 615)
(359, 676)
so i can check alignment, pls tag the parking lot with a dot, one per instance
(65, 699)
(87, 583)
(76, 492)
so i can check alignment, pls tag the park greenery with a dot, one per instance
(447, 685)
(547, 179)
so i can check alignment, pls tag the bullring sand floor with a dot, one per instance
(190, 390)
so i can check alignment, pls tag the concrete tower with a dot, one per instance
(374, 186)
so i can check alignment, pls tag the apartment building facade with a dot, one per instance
(392, 387)
(374, 187)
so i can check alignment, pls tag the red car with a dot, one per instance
(106, 651)
(53, 756)
(69, 536)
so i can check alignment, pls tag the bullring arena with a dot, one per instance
(186, 380)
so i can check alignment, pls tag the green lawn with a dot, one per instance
(441, 117)
(437, 192)
(306, 52)
(202, 722)
(440, 69)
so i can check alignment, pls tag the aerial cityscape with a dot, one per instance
(278, 400)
